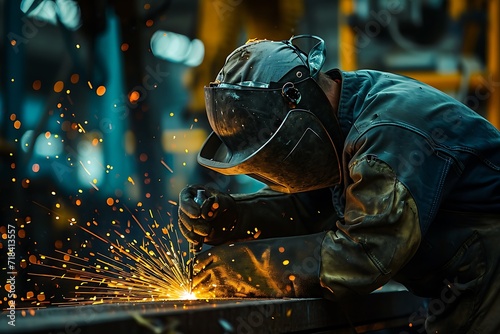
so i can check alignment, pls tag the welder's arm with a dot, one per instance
(276, 267)
(264, 214)
(379, 235)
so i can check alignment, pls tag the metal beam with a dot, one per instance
(311, 315)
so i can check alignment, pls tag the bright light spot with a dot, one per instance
(45, 144)
(100, 91)
(177, 48)
(134, 96)
(66, 12)
(58, 86)
(188, 296)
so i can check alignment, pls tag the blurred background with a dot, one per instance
(101, 102)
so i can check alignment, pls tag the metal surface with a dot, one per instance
(310, 315)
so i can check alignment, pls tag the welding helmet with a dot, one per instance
(271, 120)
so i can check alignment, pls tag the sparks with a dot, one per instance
(167, 167)
(153, 269)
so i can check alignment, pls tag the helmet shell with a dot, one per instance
(271, 120)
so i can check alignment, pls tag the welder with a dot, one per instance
(369, 177)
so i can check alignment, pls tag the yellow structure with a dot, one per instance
(487, 81)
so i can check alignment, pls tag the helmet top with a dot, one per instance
(263, 63)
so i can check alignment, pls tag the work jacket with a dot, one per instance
(443, 154)
(419, 169)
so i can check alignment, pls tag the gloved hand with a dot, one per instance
(277, 267)
(263, 214)
(213, 222)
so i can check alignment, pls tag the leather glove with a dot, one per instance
(277, 267)
(213, 222)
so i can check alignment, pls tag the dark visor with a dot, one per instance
(300, 156)
(244, 119)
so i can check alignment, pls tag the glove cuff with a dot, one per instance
(236, 219)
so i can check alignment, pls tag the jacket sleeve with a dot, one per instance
(270, 214)
(379, 235)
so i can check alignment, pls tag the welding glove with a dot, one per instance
(276, 267)
(207, 221)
